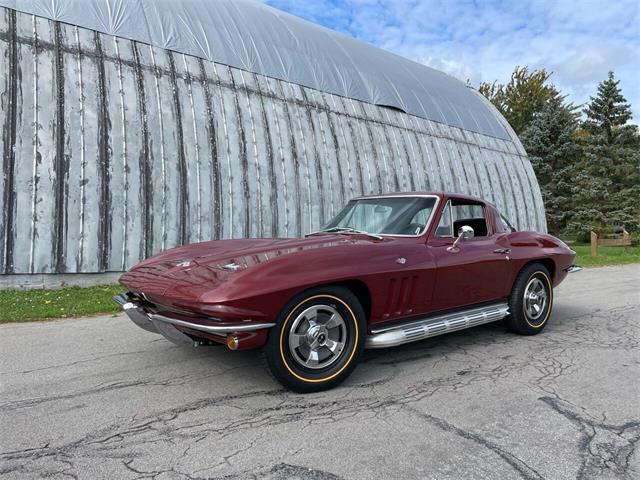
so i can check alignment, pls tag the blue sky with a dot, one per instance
(579, 41)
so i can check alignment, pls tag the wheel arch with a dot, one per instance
(548, 263)
(359, 288)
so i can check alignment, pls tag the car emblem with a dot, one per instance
(401, 260)
(232, 266)
(184, 264)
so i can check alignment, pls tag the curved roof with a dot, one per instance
(255, 37)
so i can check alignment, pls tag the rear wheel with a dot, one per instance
(317, 340)
(531, 300)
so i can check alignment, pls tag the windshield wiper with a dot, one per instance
(346, 230)
(330, 230)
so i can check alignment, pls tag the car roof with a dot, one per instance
(440, 194)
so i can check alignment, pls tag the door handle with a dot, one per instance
(503, 251)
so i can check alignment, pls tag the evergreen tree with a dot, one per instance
(607, 186)
(550, 140)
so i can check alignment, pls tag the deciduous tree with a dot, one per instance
(523, 97)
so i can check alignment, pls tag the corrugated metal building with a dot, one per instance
(132, 126)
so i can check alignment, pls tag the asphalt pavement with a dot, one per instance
(100, 398)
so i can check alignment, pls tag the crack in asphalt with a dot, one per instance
(603, 446)
(525, 470)
(216, 436)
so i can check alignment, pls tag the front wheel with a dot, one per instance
(317, 340)
(530, 301)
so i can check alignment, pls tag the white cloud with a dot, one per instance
(579, 41)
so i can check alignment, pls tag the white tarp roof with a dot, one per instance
(255, 37)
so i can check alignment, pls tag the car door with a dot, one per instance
(474, 270)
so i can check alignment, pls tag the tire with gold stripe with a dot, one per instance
(531, 300)
(318, 339)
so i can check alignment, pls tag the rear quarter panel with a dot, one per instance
(527, 247)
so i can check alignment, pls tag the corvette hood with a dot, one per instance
(205, 265)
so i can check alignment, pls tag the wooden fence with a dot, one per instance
(624, 241)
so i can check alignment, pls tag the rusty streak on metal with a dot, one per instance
(9, 154)
(104, 161)
(183, 204)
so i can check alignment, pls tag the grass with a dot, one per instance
(32, 305)
(606, 255)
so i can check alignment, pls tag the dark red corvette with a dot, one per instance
(387, 270)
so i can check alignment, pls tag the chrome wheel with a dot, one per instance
(535, 298)
(317, 337)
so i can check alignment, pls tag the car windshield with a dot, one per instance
(384, 216)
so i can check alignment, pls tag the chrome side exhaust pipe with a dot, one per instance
(415, 330)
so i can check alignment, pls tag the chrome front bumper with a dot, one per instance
(166, 326)
(573, 269)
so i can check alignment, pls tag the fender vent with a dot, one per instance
(401, 296)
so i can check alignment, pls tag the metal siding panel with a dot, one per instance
(244, 201)
(264, 133)
(374, 163)
(516, 190)
(316, 170)
(278, 141)
(323, 159)
(21, 226)
(363, 145)
(44, 260)
(177, 201)
(5, 80)
(221, 176)
(133, 209)
(89, 181)
(536, 195)
(198, 115)
(405, 148)
(72, 148)
(403, 178)
(153, 149)
(301, 132)
(191, 177)
(254, 174)
(212, 209)
(351, 140)
(113, 171)
(289, 128)
(339, 125)
(426, 155)
(334, 149)
(237, 157)
(415, 158)
(443, 170)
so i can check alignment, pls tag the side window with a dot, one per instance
(445, 226)
(471, 214)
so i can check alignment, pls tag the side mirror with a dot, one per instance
(465, 232)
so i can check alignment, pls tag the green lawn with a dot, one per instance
(30, 305)
(606, 256)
